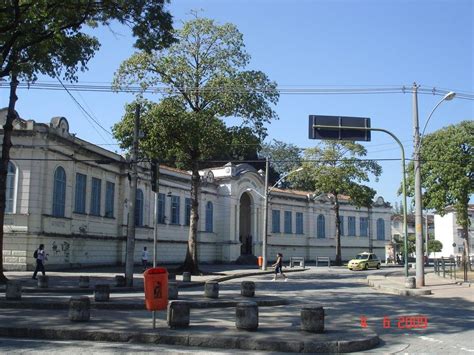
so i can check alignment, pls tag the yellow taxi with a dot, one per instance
(363, 261)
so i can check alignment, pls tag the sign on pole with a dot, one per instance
(339, 128)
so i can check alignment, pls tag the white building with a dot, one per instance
(448, 232)
(72, 196)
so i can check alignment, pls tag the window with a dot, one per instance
(59, 192)
(174, 209)
(288, 227)
(364, 226)
(109, 199)
(187, 211)
(95, 196)
(299, 223)
(396, 224)
(209, 216)
(341, 224)
(275, 221)
(80, 198)
(161, 208)
(10, 192)
(380, 229)
(321, 227)
(351, 226)
(139, 208)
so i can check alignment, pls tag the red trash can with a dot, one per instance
(156, 288)
(260, 261)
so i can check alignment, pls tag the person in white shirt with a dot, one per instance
(41, 256)
(144, 258)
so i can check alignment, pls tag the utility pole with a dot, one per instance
(155, 187)
(265, 218)
(132, 203)
(420, 268)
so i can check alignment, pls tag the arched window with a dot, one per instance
(209, 216)
(380, 229)
(59, 192)
(11, 186)
(139, 208)
(321, 227)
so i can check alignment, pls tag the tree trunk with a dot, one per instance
(7, 143)
(191, 263)
(338, 261)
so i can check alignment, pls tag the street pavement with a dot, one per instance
(348, 301)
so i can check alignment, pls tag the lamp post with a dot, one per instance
(265, 208)
(420, 272)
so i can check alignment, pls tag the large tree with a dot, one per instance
(335, 168)
(447, 173)
(46, 37)
(283, 158)
(203, 81)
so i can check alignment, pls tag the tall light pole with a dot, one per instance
(265, 208)
(420, 272)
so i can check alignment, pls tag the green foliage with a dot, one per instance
(434, 246)
(284, 158)
(447, 170)
(45, 36)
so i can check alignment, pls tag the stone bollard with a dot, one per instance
(186, 277)
(211, 289)
(84, 281)
(120, 281)
(79, 309)
(410, 282)
(102, 293)
(13, 290)
(312, 319)
(247, 288)
(178, 314)
(43, 281)
(246, 316)
(171, 277)
(172, 290)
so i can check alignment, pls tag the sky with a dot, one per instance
(317, 44)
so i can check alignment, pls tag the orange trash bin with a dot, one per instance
(260, 261)
(156, 288)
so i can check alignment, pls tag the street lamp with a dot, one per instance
(420, 272)
(265, 209)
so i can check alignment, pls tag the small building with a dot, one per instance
(72, 196)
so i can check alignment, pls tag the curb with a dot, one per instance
(398, 290)
(170, 337)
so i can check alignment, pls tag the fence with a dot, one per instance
(442, 264)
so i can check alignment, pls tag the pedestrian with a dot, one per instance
(279, 267)
(41, 257)
(144, 258)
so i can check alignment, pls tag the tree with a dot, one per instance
(334, 168)
(204, 81)
(447, 173)
(434, 246)
(284, 158)
(45, 37)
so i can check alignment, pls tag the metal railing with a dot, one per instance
(446, 265)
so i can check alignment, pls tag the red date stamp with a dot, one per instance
(402, 322)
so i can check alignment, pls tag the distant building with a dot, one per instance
(397, 225)
(449, 232)
(72, 196)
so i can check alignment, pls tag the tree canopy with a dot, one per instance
(283, 157)
(202, 81)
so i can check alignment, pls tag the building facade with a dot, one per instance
(72, 196)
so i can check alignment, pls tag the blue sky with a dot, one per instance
(313, 44)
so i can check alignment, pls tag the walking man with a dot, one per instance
(40, 256)
(144, 258)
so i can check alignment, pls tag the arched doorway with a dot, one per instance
(245, 222)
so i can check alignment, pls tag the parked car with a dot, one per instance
(363, 261)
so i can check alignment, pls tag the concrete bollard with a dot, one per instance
(178, 314)
(172, 290)
(312, 319)
(102, 293)
(211, 289)
(79, 309)
(84, 281)
(13, 290)
(410, 282)
(120, 281)
(171, 277)
(246, 316)
(186, 277)
(43, 281)
(247, 288)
